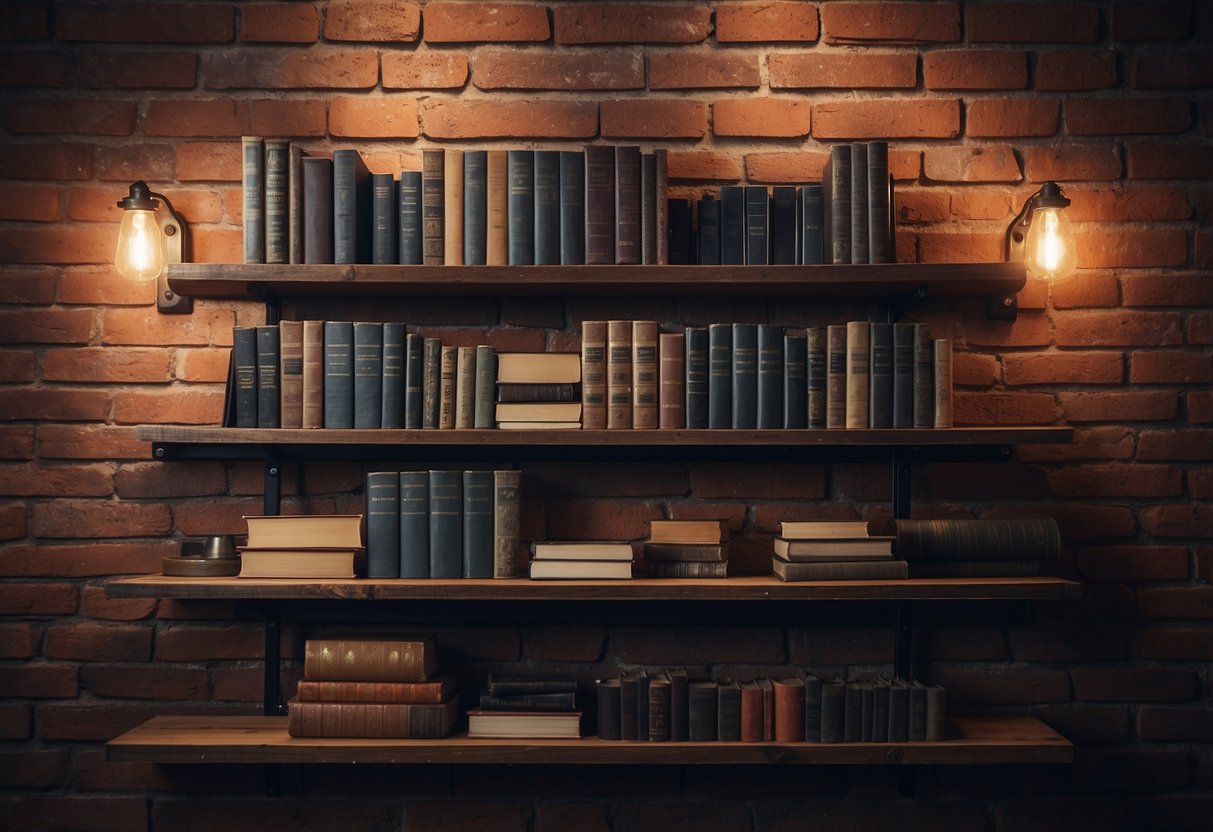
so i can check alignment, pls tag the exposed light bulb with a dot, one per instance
(1049, 247)
(140, 255)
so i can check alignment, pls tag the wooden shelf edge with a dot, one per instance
(264, 740)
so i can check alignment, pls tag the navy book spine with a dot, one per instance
(368, 375)
(475, 207)
(572, 207)
(410, 217)
(745, 376)
(446, 524)
(393, 376)
(697, 376)
(477, 524)
(795, 380)
(811, 246)
(627, 205)
(338, 374)
(770, 376)
(383, 524)
(720, 376)
(709, 231)
(244, 362)
(414, 524)
(520, 207)
(269, 390)
(757, 225)
(385, 243)
(783, 225)
(352, 226)
(732, 225)
(414, 370)
(547, 208)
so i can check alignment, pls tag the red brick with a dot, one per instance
(202, 365)
(383, 21)
(88, 814)
(1109, 442)
(704, 164)
(1141, 21)
(889, 118)
(1023, 687)
(631, 23)
(59, 243)
(57, 480)
(948, 247)
(782, 481)
(84, 560)
(146, 23)
(680, 70)
(566, 644)
(39, 681)
(133, 327)
(809, 70)
(1058, 71)
(85, 519)
(1134, 684)
(1175, 724)
(45, 161)
(39, 599)
(1086, 723)
(1121, 328)
(12, 521)
(1073, 162)
(207, 161)
(1119, 203)
(972, 370)
(1119, 406)
(182, 408)
(696, 645)
(1200, 329)
(154, 479)
(1185, 645)
(16, 442)
(1084, 289)
(107, 364)
(59, 405)
(16, 722)
(1114, 479)
(151, 162)
(769, 21)
(279, 23)
(623, 519)
(1179, 521)
(991, 117)
(293, 118)
(124, 69)
(28, 284)
(666, 118)
(1132, 563)
(192, 644)
(1200, 408)
(156, 682)
(1066, 642)
(1169, 160)
(1202, 249)
(90, 442)
(993, 163)
(485, 22)
(1170, 367)
(990, 408)
(33, 69)
(95, 604)
(202, 518)
(509, 119)
(1107, 117)
(554, 817)
(321, 68)
(27, 21)
(430, 70)
(852, 22)
(20, 640)
(98, 642)
(1031, 23)
(373, 118)
(191, 815)
(1171, 70)
(760, 117)
(1065, 368)
(791, 166)
(975, 69)
(33, 769)
(196, 117)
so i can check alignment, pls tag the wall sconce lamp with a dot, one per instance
(148, 240)
(1041, 238)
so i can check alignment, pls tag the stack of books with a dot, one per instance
(573, 560)
(385, 688)
(808, 550)
(687, 549)
(527, 705)
(538, 390)
(302, 546)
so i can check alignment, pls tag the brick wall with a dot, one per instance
(981, 102)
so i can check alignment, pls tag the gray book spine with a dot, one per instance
(277, 179)
(745, 376)
(720, 376)
(414, 369)
(368, 375)
(393, 376)
(383, 524)
(431, 380)
(880, 377)
(244, 364)
(477, 524)
(486, 381)
(547, 208)
(701, 706)
(697, 376)
(338, 374)
(859, 202)
(446, 524)
(507, 507)
(770, 376)
(414, 524)
(816, 377)
(385, 213)
(903, 375)
(924, 378)
(269, 388)
(410, 217)
(253, 180)
(728, 712)
(520, 207)
(475, 207)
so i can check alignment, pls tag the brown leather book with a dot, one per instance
(943, 382)
(434, 692)
(672, 383)
(496, 197)
(371, 720)
(599, 205)
(644, 375)
(619, 375)
(751, 712)
(836, 376)
(452, 207)
(290, 373)
(789, 709)
(593, 375)
(627, 205)
(313, 374)
(370, 660)
(663, 213)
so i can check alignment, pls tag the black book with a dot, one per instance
(410, 217)
(368, 375)
(477, 524)
(859, 202)
(475, 207)
(728, 711)
(732, 225)
(392, 414)
(642, 706)
(701, 711)
(770, 376)
(539, 391)
(816, 363)
(986, 539)
(229, 392)
(720, 376)
(852, 713)
(745, 376)
(783, 225)
(880, 378)
(431, 377)
(757, 225)
(446, 524)
(795, 384)
(709, 231)
(244, 362)
(628, 690)
(433, 207)
(338, 374)
(899, 711)
(679, 716)
(317, 209)
(599, 205)
(833, 707)
(867, 711)
(294, 203)
(836, 204)
(383, 524)
(269, 387)
(812, 708)
(352, 209)
(811, 246)
(696, 376)
(528, 702)
(520, 206)
(385, 236)
(659, 708)
(648, 208)
(627, 204)
(681, 247)
(547, 208)
(572, 207)
(917, 731)
(519, 683)
(880, 208)
(903, 375)
(414, 524)
(252, 149)
(608, 709)
(937, 713)
(414, 371)
(277, 178)
(880, 710)
(924, 378)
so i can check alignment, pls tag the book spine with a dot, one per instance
(880, 711)
(475, 207)
(414, 370)
(338, 374)
(833, 706)
(867, 713)
(816, 376)
(538, 392)
(244, 360)
(317, 210)
(599, 205)
(628, 708)
(477, 524)
(732, 225)
(627, 204)
(936, 713)
(528, 702)
(431, 377)
(446, 524)
(368, 375)
(682, 247)
(836, 376)
(369, 660)
(789, 709)
(795, 380)
(812, 709)
(392, 413)
(678, 706)
(269, 392)
(404, 693)
(277, 177)
(497, 197)
(880, 376)
(661, 217)
(942, 376)
(728, 712)
(645, 408)
(486, 380)
(978, 540)
(648, 208)
(452, 207)
(859, 202)
(852, 712)
(253, 181)
(294, 204)
(899, 711)
(903, 375)
(709, 231)
(917, 716)
(659, 710)
(609, 705)
(447, 387)
(385, 213)
(876, 570)
(313, 374)
(859, 338)
(672, 395)
(770, 376)
(619, 375)
(290, 373)
(465, 388)
(572, 207)
(924, 378)
(383, 524)
(507, 509)
(547, 208)
(837, 185)
(757, 225)
(433, 190)
(410, 233)
(783, 225)
(370, 720)
(688, 569)
(812, 249)
(521, 208)
(880, 219)
(414, 524)
(643, 683)
(351, 208)
(702, 708)
(696, 362)
(720, 376)
(745, 376)
(751, 712)
(699, 552)
(593, 375)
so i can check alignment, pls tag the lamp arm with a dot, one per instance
(176, 250)
(1017, 231)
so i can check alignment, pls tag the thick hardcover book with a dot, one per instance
(795, 381)
(447, 387)
(290, 373)
(836, 201)
(352, 221)
(709, 231)
(433, 193)
(852, 570)
(812, 708)
(465, 388)
(599, 204)
(497, 200)
(433, 692)
(383, 524)
(941, 372)
(903, 375)
(619, 375)
(751, 711)
(681, 234)
(720, 376)
(833, 706)
(789, 709)
(645, 408)
(477, 524)
(371, 720)
(628, 707)
(834, 548)
(446, 524)
(661, 182)
(859, 202)
(728, 711)
(732, 225)
(880, 376)
(770, 376)
(678, 705)
(671, 347)
(394, 376)
(410, 232)
(414, 524)
(880, 208)
(277, 186)
(317, 210)
(414, 378)
(978, 540)
(542, 413)
(537, 392)
(521, 207)
(836, 376)
(783, 225)
(475, 207)
(413, 659)
(299, 531)
(689, 531)
(899, 711)
(812, 249)
(627, 204)
(431, 381)
(701, 710)
(696, 376)
(294, 203)
(816, 376)
(253, 180)
(659, 709)
(608, 709)
(572, 207)
(528, 702)
(547, 208)
(538, 368)
(385, 213)
(269, 391)
(684, 552)
(859, 346)
(745, 376)
(507, 508)
(648, 208)
(244, 360)
(527, 724)
(368, 375)
(757, 225)
(593, 374)
(452, 207)
(689, 569)
(486, 379)
(924, 378)
(852, 712)
(313, 374)
(880, 710)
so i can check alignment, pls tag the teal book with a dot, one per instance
(392, 415)
(547, 208)
(720, 376)
(745, 376)
(338, 374)
(477, 524)
(475, 207)
(414, 524)
(520, 207)
(368, 375)
(770, 376)
(446, 524)
(383, 524)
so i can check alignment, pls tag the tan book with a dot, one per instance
(465, 387)
(371, 720)
(859, 351)
(290, 373)
(538, 367)
(497, 199)
(434, 692)
(835, 548)
(836, 376)
(525, 425)
(813, 529)
(942, 351)
(593, 550)
(538, 411)
(543, 570)
(305, 530)
(644, 375)
(308, 562)
(672, 389)
(593, 374)
(313, 374)
(452, 207)
(688, 531)
(410, 659)
(446, 387)
(619, 375)
(485, 724)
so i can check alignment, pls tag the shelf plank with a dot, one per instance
(219, 281)
(746, 588)
(971, 740)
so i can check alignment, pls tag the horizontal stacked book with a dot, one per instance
(687, 549)
(538, 390)
(527, 705)
(961, 548)
(581, 559)
(828, 550)
(302, 546)
(373, 688)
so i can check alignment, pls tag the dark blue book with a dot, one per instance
(368, 375)
(859, 203)
(757, 225)
(477, 524)
(881, 247)
(880, 376)
(338, 374)
(483, 388)
(520, 206)
(783, 225)
(547, 208)
(836, 205)
(770, 376)
(572, 207)
(244, 363)
(627, 204)
(269, 388)
(410, 217)
(697, 376)
(352, 208)
(709, 231)
(383, 524)
(446, 524)
(812, 249)
(414, 346)
(475, 207)
(414, 524)
(745, 376)
(795, 380)
(732, 225)
(393, 376)
(903, 375)
(385, 234)
(720, 376)
(681, 231)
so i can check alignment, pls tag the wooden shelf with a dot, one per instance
(747, 588)
(215, 280)
(259, 739)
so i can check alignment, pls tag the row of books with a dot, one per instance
(605, 204)
(668, 706)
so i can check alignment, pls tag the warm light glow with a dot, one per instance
(1049, 248)
(140, 255)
